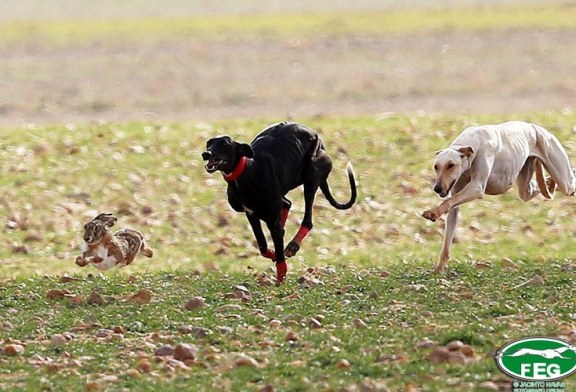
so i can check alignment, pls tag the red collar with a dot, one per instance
(238, 171)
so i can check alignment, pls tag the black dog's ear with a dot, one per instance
(210, 141)
(244, 150)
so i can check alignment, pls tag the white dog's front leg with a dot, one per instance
(472, 191)
(449, 231)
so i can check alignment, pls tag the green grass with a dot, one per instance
(481, 308)
(56, 178)
(284, 26)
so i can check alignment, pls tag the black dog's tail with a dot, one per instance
(326, 191)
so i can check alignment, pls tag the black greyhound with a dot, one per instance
(281, 158)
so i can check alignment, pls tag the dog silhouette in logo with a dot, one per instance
(548, 354)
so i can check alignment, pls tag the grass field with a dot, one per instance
(343, 328)
(362, 274)
(111, 111)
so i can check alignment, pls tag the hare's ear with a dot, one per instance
(107, 218)
(244, 150)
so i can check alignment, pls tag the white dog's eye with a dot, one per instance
(450, 165)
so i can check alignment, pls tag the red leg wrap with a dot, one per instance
(281, 270)
(303, 232)
(269, 254)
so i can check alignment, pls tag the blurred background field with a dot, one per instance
(78, 61)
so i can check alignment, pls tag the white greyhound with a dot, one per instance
(489, 159)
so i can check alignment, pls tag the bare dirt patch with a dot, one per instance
(509, 71)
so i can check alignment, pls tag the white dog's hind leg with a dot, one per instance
(527, 187)
(449, 231)
(556, 162)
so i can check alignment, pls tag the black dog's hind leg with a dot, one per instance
(260, 238)
(317, 172)
(277, 233)
(286, 204)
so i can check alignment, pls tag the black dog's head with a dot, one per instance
(223, 153)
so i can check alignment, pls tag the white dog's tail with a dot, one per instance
(547, 189)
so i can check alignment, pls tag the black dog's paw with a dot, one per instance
(291, 249)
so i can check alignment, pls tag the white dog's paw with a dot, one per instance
(430, 215)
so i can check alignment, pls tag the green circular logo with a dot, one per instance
(537, 359)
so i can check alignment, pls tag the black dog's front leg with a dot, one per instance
(277, 233)
(260, 238)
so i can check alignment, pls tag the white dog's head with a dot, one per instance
(449, 166)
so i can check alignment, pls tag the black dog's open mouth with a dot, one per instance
(214, 164)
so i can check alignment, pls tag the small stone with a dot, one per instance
(359, 323)
(224, 329)
(457, 357)
(275, 323)
(454, 345)
(343, 364)
(57, 340)
(119, 329)
(313, 323)
(195, 303)
(184, 351)
(245, 361)
(164, 350)
(132, 373)
(144, 365)
(439, 355)
(242, 288)
(488, 386)
(13, 350)
(467, 350)
(228, 308)
(292, 336)
(200, 332)
(142, 297)
(104, 333)
(96, 298)
(56, 294)
(425, 343)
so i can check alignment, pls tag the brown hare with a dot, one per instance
(105, 250)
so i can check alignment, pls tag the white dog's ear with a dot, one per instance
(439, 151)
(465, 152)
